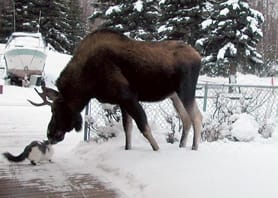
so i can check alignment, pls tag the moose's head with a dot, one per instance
(63, 119)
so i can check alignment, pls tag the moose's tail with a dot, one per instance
(18, 158)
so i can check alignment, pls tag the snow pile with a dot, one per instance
(245, 128)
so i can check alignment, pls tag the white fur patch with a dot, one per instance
(37, 156)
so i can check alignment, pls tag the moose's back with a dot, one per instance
(152, 69)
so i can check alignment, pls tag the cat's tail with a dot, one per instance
(18, 158)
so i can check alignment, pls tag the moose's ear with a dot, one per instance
(78, 123)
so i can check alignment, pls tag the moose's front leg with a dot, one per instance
(127, 124)
(135, 110)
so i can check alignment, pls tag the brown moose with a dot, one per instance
(114, 69)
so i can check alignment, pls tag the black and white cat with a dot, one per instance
(36, 152)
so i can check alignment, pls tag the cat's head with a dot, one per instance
(46, 142)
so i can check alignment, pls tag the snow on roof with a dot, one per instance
(28, 34)
(25, 39)
(2, 48)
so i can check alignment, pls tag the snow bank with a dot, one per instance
(245, 128)
(217, 170)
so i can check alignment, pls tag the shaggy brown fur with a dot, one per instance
(112, 68)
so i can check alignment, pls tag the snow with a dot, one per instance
(224, 12)
(232, 3)
(257, 14)
(19, 39)
(164, 28)
(112, 9)
(162, 2)
(223, 51)
(248, 133)
(219, 169)
(200, 42)
(55, 62)
(206, 23)
(138, 5)
(253, 24)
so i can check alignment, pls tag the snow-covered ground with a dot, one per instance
(220, 169)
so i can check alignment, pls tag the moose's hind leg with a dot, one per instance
(135, 110)
(196, 119)
(186, 122)
(127, 124)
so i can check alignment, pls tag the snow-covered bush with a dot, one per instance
(233, 120)
(104, 133)
(174, 121)
(111, 114)
(214, 130)
(245, 128)
(267, 128)
(107, 129)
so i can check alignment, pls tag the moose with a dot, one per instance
(115, 69)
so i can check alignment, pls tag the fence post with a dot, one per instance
(86, 125)
(205, 98)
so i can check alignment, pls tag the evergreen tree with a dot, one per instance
(180, 19)
(232, 34)
(61, 24)
(58, 20)
(27, 16)
(6, 20)
(54, 23)
(135, 18)
(77, 26)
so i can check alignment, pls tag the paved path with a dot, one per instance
(19, 125)
(12, 185)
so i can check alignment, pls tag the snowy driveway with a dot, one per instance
(20, 124)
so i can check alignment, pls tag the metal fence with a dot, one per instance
(259, 101)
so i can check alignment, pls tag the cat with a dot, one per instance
(36, 152)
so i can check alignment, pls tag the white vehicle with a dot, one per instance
(25, 56)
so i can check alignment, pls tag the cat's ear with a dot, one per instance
(78, 123)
